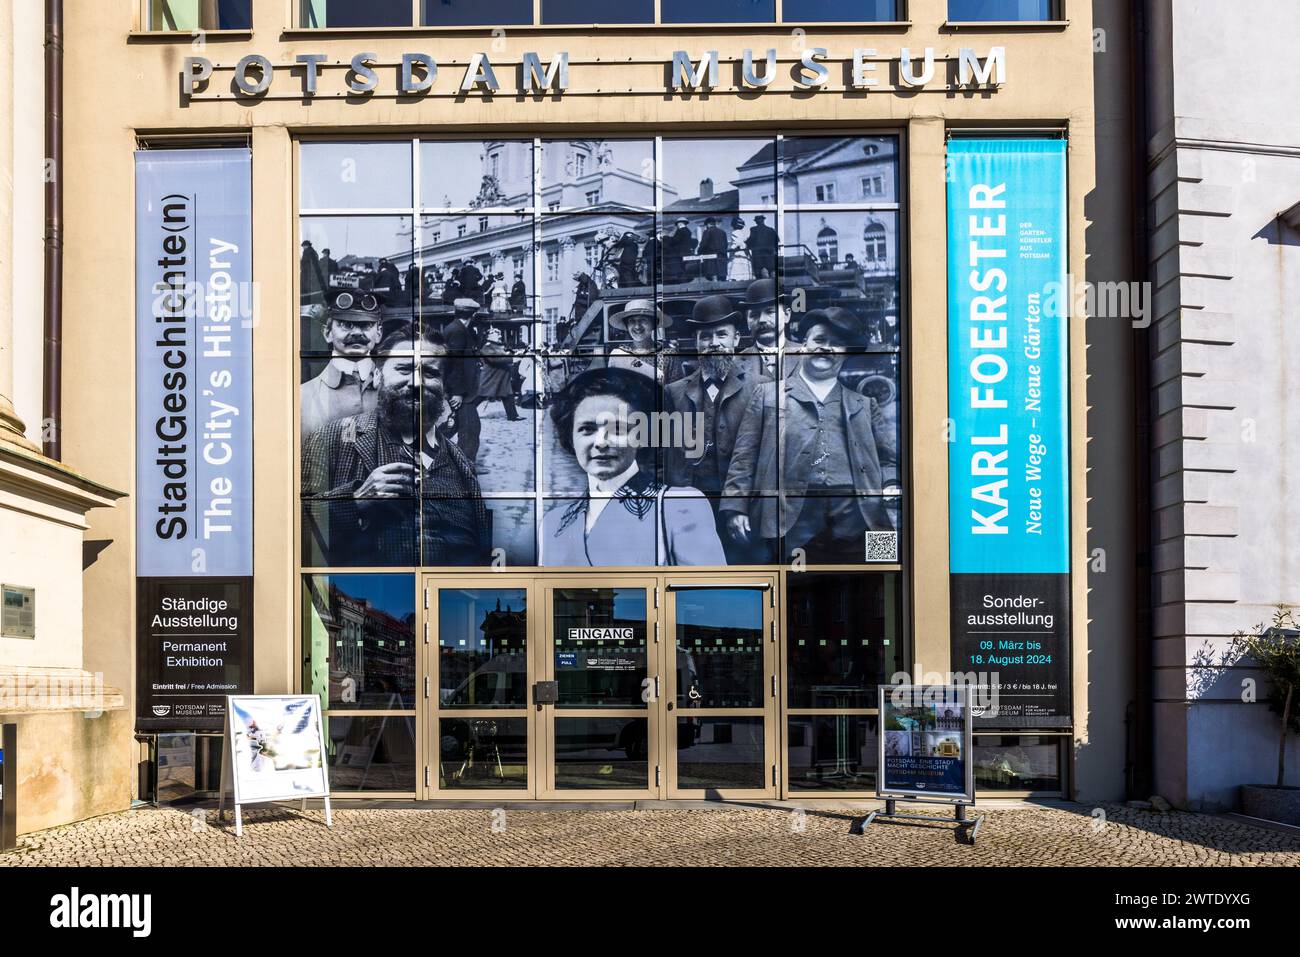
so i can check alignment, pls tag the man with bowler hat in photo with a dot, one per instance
(769, 317)
(712, 399)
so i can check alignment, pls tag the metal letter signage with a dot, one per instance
(194, 434)
(1008, 462)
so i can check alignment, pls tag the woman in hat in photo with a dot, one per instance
(645, 354)
(626, 517)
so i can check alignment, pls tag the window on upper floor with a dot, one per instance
(190, 15)
(323, 14)
(971, 11)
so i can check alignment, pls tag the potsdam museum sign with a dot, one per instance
(315, 75)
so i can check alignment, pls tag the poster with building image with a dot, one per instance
(925, 751)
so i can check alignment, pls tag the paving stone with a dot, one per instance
(721, 836)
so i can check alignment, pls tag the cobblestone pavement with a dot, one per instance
(731, 835)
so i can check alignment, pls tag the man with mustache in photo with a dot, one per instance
(362, 474)
(713, 397)
(346, 386)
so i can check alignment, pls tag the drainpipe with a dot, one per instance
(52, 389)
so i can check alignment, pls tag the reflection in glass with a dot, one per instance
(833, 752)
(719, 644)
(597, 11)
(1024, 762)
(600, 647)
(375, 753)
(454, 13)
(718, 11)
(975, 10)
(359, 640)
(482, 648)
(839, 11)
(718, 753)
(602, 753)
(850, 170)
(483, 753)
(191, 15)
(355, 175)
(355, 13)
(842, 636)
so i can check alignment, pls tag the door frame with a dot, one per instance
(767, 583)
(544, 662)
(661, 662)
(430, 787)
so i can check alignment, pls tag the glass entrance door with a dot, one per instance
(598, 703)
(720, 700)
(477, 689)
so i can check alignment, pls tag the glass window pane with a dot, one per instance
(972, 10)
(718, 175)
(719, 645)
(355, 175)
(471, 175)
(601, 753)
(718, 254)
(842, 638)
(830, 529)
(837, 752)
(372, 753)
(600, 647)
(357, 262)
(717, 753)
(482, 648)
(359, 640)
(718, 11)
(448, 13)
(817, 170)
(582, 174)
(839, 11)
(844, 259)
(1017, 762)
(188, 15)
(356, 13)
(597, 11)
(483, 753)
(344, 532)
(492, 531)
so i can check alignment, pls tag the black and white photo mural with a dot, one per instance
(601, 352)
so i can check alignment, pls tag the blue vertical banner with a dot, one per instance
(194, 433)
(1008, 401)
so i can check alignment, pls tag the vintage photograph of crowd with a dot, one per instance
(600, 352)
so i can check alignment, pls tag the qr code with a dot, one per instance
(882, 546)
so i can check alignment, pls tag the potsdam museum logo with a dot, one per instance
(414, 75)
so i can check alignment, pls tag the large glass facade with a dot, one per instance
(601, 352)
(321, 14)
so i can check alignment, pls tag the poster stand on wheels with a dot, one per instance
(925, 755)
(273, 750)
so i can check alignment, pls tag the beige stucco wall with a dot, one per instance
(117, 88)
(72, 765)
